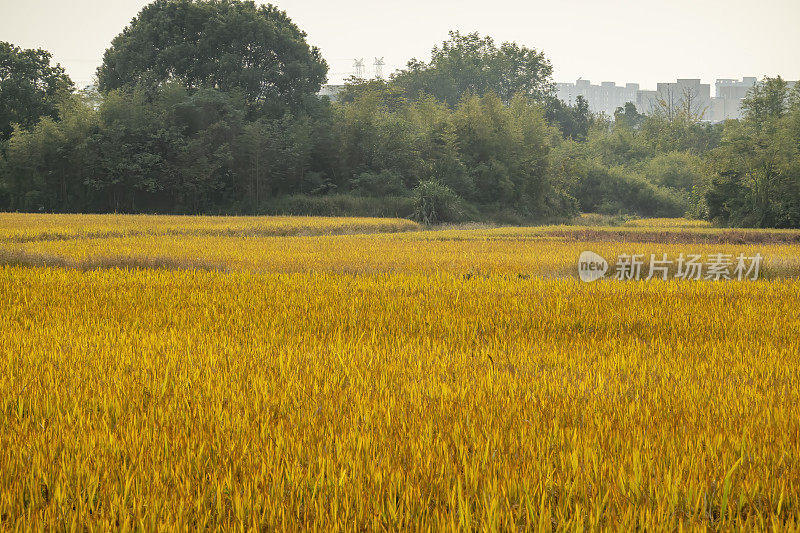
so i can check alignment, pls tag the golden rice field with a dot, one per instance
(32, 228)
(459, 379)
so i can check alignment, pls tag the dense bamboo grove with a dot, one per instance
(405, 398)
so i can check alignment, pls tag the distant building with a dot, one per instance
(646, 101)
(727, 102)
(692, 93)
(603, 98)
(331, 91)
(669, 97)
(734, 89)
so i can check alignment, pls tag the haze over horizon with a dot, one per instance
(615, 40)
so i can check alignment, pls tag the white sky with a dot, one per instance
(644, 41)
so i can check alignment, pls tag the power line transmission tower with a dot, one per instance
(379, 63)
(359, 66)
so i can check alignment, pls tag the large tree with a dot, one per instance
(474, 64)
(30, 87)
(231, 45)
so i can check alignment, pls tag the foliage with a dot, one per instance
(604, 186)
(573, 121)
(628, 116)
(471, 64)
(484, 151)
(435, 203)
(758, 161)
(229, 45)
(46, 166)
(184, 152)
(30, 88)
(390, 94)
(341, 205)
(684, 173)
(385, 183)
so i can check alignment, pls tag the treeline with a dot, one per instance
(196, 152)
(183, 125)
(743, 173)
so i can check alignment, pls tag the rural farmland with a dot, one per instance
(336, 374)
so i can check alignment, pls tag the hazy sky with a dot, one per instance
(642, 41)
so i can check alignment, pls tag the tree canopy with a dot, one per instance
(228, 45)
(30, 87)
(474, 64)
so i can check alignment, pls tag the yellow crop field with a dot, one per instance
(458, 379)
(469, 253)
(34, 227)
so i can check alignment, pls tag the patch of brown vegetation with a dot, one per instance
(734, 236)
(29, 259)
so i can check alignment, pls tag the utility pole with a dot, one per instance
(359, 66)
(379, 63)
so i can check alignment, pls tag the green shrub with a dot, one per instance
(435, 202)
